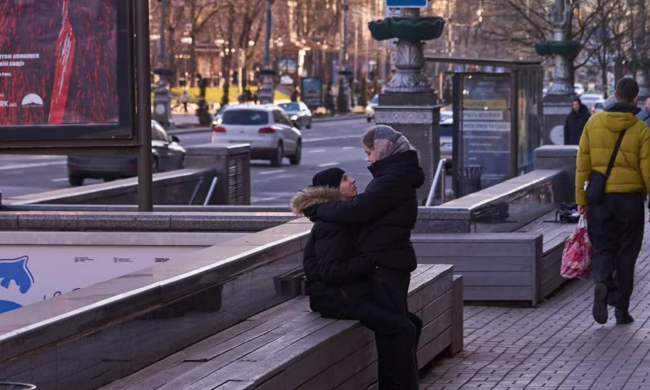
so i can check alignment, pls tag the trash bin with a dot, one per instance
(467, 180)
(16, 386)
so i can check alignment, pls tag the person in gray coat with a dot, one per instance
(644, 115)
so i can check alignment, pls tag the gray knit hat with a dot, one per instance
(389, 142)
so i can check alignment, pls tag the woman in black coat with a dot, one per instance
(575, 122)
(339, 285)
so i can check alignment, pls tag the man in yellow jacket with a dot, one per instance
(616, 224)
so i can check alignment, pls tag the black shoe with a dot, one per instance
(600, 303)
(623, 317)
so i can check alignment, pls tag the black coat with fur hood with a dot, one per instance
(386, 211)
(336, 278)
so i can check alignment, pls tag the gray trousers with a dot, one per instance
(616, 233)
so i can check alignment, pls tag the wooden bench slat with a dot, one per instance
(264, 328)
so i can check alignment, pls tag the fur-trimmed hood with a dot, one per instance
(303, 201)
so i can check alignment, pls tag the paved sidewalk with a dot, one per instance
(554, 346)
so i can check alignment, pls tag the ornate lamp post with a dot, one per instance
(344, 98)
(162, 98)
(409, 103)
(563, 51)
(557, 103)
(266, 92)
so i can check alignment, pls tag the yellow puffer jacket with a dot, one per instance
(631, 172)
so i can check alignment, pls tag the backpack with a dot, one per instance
(567, 213)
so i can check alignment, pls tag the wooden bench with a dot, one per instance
(290, 347)
(554, 236)
(503, 267)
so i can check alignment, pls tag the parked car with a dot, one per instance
(598, 106)
(447, 139)
(219, 114)
(168, 155)
(579, 89)
(590, 100)
(266, 128)
(370, 108)
(298, 112)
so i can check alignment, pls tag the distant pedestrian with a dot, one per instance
(644, 115)
(185, 99)
(575, 122)
(616, 223)
(256, 99)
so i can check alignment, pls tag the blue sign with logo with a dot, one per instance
(14, 274)
(406, 3)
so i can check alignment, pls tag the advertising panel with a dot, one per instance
(65, 70)
(311, 90)
(29, 274)
(485, 127)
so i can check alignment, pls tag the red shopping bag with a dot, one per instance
(576, 257)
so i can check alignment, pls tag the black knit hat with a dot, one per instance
(328, 178)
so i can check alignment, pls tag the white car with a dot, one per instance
(266, 128)
(579, 89)
(590, 100)
(447, 138)
(370, 108)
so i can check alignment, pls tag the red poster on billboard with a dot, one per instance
(60, 63)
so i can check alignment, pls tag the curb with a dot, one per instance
(339, 118)
(191, 130)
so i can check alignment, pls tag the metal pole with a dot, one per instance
(267, 42)
(162, 55)
(356, 49)
(266, 92)
(145, 184)
(344, 60)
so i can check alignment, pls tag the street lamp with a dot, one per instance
(344, 98)
(162, 98)
(266, 92)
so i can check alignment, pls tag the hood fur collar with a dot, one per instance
(312, 196)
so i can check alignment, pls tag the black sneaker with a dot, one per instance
(600, 303)
(623, 317)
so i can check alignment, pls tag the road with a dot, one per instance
(327, 144)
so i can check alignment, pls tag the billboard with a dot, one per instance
(311, 89)
(65, 70)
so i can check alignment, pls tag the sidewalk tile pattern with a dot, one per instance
(556, 346)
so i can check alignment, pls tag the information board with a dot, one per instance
(311, 90)
(66, 70)
(485, 127)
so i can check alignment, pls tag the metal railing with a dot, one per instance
(438, 179)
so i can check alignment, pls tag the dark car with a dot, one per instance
(298, 112)
(168, 155)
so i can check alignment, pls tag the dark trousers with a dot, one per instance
(395, 337)
(391, 291)
(616, 234)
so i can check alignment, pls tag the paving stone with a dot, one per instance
(555, 346)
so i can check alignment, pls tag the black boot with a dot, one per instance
(600, 303)
(623, 317)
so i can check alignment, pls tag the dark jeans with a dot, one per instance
(616, 234)
(395, 337)
(392, 288)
